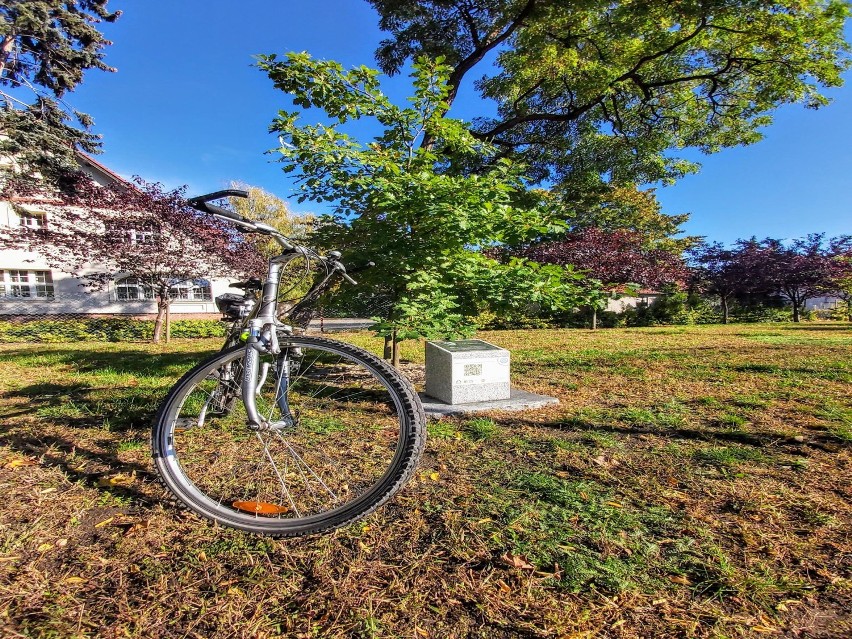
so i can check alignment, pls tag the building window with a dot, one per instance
(35, 221)
(130, 289)
(141, 236)
(192, 291)
(26, 284)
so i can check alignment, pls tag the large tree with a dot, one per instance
(99, 234)
(46, 46)
(598, 94)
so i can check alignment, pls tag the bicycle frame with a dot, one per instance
(263, 327)
(263, 324)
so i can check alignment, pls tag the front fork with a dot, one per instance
(263, 339)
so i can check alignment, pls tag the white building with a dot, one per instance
(29, 286)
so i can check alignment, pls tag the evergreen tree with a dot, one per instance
(46, 47)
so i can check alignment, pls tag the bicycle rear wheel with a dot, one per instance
(342, 433)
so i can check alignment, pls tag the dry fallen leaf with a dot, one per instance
(680, 579)
(115, 480)
(17, 462)
(44, 547)
(517, 561)
(763, 629)
(434, 476)
(103, 523)
(74, 580)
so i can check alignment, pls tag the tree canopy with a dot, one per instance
(46, 47)
(597, 94)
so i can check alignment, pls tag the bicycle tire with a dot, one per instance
(354, 434)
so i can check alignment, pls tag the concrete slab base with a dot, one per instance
(518, 400)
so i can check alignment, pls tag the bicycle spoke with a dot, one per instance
(280, 478)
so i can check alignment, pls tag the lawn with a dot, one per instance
(693, 482)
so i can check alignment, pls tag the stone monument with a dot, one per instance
(467, 371)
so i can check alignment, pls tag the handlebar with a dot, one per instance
(201, 203)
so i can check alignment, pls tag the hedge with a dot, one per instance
(110, 329)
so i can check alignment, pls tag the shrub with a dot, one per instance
(101, 329)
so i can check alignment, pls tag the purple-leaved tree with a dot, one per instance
(99, 233)
(803, 269)
(613, 258)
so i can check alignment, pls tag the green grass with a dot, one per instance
(692, 482)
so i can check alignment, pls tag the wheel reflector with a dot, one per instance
(259, 507)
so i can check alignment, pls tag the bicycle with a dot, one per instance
(284, 434)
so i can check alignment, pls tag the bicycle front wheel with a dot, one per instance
(342, 432)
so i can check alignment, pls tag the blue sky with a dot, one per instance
(187, 107)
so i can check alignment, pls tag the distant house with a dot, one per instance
(623, 302)
(29, 286)
(823, 303)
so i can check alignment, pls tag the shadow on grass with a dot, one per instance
(59, 420)
(844, 326)
(128, 360)
(822, 440)
(57, 452)
(112, 408)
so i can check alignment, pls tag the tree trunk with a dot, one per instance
(158, 323)
(395, 358)
(725, 311)
(594, 318)
(796, 316)
(168, 322)
(388, 353)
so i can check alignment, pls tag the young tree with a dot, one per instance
(612, 259)
(718, 271)
(597, 93)
(840, 249)
(45, 48)
(98, 233)
(406, 206)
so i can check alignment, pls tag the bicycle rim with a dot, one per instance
(342, 433)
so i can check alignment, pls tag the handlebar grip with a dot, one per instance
(218, 195)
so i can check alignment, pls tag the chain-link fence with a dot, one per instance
(52, 317)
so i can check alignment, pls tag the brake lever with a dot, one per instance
(337, 266)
